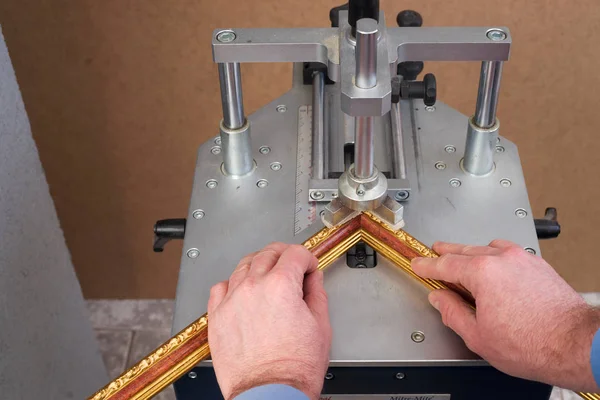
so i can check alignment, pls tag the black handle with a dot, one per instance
(405, 89)
(548, 227)
(166, 230)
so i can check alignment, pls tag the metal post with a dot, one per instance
(318, 132)
(366, 77)
(483, 126)
(235, 129)
(398, 159)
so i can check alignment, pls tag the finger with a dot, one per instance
(241, 271)
(217, 294)
(503, 244)
(266, 259)
(315, 297)
(456, 314)
(454, 268)
(455, 248)
(294, 263)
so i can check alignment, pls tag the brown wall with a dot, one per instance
(120, 93)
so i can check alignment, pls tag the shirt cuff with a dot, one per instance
(268, 392)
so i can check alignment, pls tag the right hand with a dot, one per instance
(528, 323)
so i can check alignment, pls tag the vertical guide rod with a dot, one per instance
(487, 96)
(235, 129)
(318, 126)
(398, 160)
(366, 77)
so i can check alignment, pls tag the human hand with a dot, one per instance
(528, 323)
(270, 323)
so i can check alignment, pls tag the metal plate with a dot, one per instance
(374, 311)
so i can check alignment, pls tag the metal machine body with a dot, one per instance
(277, 184)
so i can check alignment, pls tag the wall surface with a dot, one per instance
(121, 92)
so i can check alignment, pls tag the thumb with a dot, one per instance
(315, 297)
(456, 314)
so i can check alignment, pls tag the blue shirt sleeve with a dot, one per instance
(268, 392)
(595, 357)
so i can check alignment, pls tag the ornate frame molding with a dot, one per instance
(183, 351)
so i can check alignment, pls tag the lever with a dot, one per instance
(166, 230)
(425, 89)
(547, 227)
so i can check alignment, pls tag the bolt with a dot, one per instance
(281, 108)
(400, 376)
(218, 140)
(430, 108)
(226, 36)
(321, 213)
(519, 212)
(275, 166)
(450, 149)
(496, 35)
(530, 250)
(505, 182)
(212, 183)
(417, 336)
(361, 265)
(455, 182)
(499, 149)
(262, 183)
(216, 150)
(193, 375)
(264, 150)
(193, 253)
(401, 195)
(334, 195)
(440, 165)
(498, 139)
(329, 376)
(198, 214)
(360, 192)
(318, 195)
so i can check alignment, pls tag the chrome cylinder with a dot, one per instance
(487, 96)
(480, 148)
(237, 150)
(398, 159)
(230, 79)
(366, 53)
(364, 147)
(318, 129)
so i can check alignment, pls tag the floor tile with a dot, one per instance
(131, 314)
(114, 346)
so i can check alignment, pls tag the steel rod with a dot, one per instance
(487, 96)
(230, 79)
(366, 53)
(364, 147)
(318, 129)
(398, 159)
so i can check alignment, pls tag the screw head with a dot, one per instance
(450, 149)
(401, 195)
(505, 182)
(400, 376)
(430, 108)
(193, 375)
(321, 213)
(198, 214)
(264, 150)
(276, 166)
(455, 182)
(212, 183)
(318, 195)
(281, 108)
(360, 192)
(440, 166)
(226, 36)
(521, 213)
(496, 35)
(218, 140)
(417, 336)
(530, 250)
(329, 376)
(334, 195)
(216, 150)
(262, 183)
(500, 149)
(193, 253)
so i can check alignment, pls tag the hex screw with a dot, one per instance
(430, 108)
(193, 375)
(360, 192)
(226, 36)
(193, 253)
(417, 336)
(212, 183)
(400, 376)
(496, 35)
(216, 150)
(264, 150)
(505, 182)
(318, 195)
(519, 212)
(440, 166)
(500, 149)
(530, 250)
(455, 182)
(401, 195)
(281, 108)
(275, 166)
(198, 214)
(218, 140)
(450, 149)
(329, 376)
(262, 183)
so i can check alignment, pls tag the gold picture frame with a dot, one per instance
(187, 348)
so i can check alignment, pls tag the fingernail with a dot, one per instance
(433, 299)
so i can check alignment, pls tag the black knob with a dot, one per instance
(334, 15)
(409, 19)
(430, 90)
(410, 70)
(405, 89)
(166, 230)
(358, 9)
(547, 227)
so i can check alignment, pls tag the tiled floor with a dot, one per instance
(127, 330)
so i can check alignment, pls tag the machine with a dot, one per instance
(359, 130)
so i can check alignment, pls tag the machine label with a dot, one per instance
(384, 396)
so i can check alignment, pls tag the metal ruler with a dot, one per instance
(305, 212)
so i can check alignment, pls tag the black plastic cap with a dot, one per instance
(409, 19)
(410, 70)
